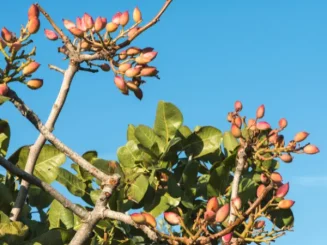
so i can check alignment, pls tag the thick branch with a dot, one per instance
(240, 163)
(46, 187)
(36, 148)
(85, 231)
(34, 119)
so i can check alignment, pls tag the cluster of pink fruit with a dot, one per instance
(254, 130)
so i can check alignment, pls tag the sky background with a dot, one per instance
(211, 53)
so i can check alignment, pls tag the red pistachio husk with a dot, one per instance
(124, 18)
(15, 46)
(116, 18)
(283, 190)
(260, 190)
(35, 83)
(282, 123)
(172, 218)
(260, 112)
(141, 60)
(149, 71)
(311, 149)
(259, 224)
(138, 218)
(300, 136)
(238, 121)
(286, 158)
(227, 238)
(68, 24)
(251, 124)
(2, 43)
(137, 15)
(120, 84)
(285, 204)
(111, 27)
(149, 55)
(150, 220)
(98, 24)
(133, 51)
(264, 178)
(3, 89)
(105, 67)
(123, 55)
(209, 215)
(80, 24)
(76, 32)
(222, 213)
(30, 68)
(33, 12)
(237, 202)
(236, 131)
(212, 204)
(238, 106)
(6, 34)
(124, 67)
(51, 35)
(263, 126)
(33, 25)
(276, 177)
(88, 21)
(132, 72)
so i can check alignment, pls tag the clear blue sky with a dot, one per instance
(211, 53)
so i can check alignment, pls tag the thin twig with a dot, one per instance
(55, 68)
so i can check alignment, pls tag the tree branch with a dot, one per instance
(240, 163)
(44, 186)
(34, 119)
(55, 68)
(84, 232)
(36, 148)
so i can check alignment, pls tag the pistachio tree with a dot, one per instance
(170, 185)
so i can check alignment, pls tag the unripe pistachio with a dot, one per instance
(311, 149)
(33, 25)
(85, 45)
(285, 204)
(282, 123)
(30, 68)
(150, 55)
(300, 136)
(111, 27)
(137, 15)
(105, 67)
(120, 84)
(276, 177)
(133, 51)
(209, 215)
(33, 12)
(142, 60)
(149, 71)
(238, 121)
(273, 136)
(260, 190)
(132, 31)
(123, 55)
(116, 18)
(124, 67)
(238, 106)
(15, 46)
(6, 34)
(104, 21)
(35, 83)
(68, 24)
(212, 204)
(222, 213)
(260, 112)
(124, 18)
(286, 158)
(259, 224)
(138, 218)
(172, 218)
(88, 20)
(263, 126)
(283, 190)
(3, 89)
(132, 72)
(236, 131)
(76, 32)
(51, 35)
(150, 220)
(227, 238)
(237, 202)
(132, 86)
(138, 94)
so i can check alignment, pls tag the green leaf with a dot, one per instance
(168, 120)
(138, 188)
(35, 228)
(39, 198)
(230, 143)
(282, 217)
(185, 131)
(5, 198)
(190, 174)
(83, 174)
(4, 218)
(47, 164)
(72, 183)
(4, 137)
(220, 177)
(53, 237)
(131, 133)
(58, 215)
(203, 141)
(159, 205)
(13, 232)
(3, 99)
(146, 136)
(129, 154)
(247, 189)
